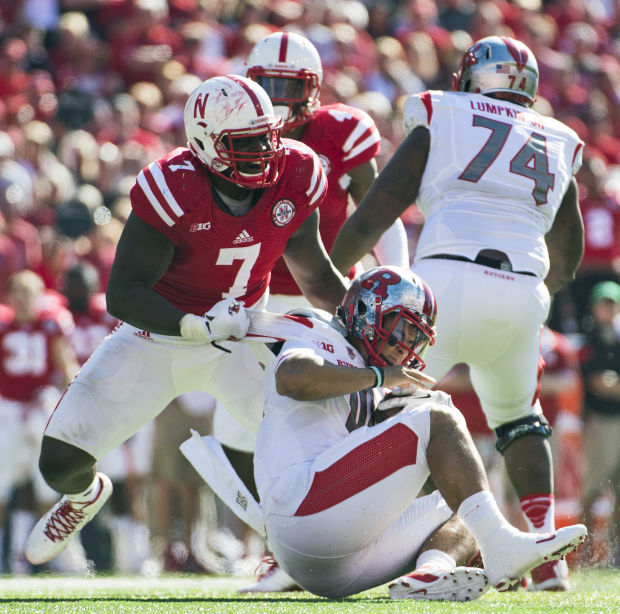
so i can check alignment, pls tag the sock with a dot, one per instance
(89, 493)
(481, 515)
(539, 512)
(22, 522)
(2, 548)
(436, 559)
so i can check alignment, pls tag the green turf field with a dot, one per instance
(593, 592)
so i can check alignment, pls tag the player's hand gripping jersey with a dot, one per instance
(508, 172)
(344, 138)
(217, 254)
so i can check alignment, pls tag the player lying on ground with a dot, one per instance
(338, 483)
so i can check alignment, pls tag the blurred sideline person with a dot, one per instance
(503, 231)
(208, 223)
(289, 68)
(600, 365)
(36, 360)
(339, 461)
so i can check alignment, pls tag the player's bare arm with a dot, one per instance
(142, 256)
(565, 241)
(64, 359)
(394, 190)
(311, 267)
(310, 378)
(362, 177)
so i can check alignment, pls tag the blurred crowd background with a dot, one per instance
(93, 90)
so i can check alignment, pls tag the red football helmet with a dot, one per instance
(381, 307)
(288, 67)
(221, 116)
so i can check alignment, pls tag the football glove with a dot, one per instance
(226, 320)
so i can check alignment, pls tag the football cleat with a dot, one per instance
(51, 535)
(458, 584)
(272, 580)
(520, 552)
(551, 576)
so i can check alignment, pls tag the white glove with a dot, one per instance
(227, 319)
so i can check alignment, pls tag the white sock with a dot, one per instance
(481, 515)
(539, 512)
(22, 522)
(1, 549)
(89, 493)
(437, 559)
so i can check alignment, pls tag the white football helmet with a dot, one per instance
(498, 64)
(288, 67)
(225, 118)
(381, 292)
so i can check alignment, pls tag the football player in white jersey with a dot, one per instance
(503, 231)
(339, 466)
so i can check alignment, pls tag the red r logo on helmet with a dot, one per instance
(380, 281)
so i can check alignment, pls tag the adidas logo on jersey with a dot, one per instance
(244, 237)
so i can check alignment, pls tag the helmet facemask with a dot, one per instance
(294, 93)
(402, 328)
(257, 168)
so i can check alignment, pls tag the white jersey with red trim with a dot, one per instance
(218, 255)
(296, 432)
(495, 176)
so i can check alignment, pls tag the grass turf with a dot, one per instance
(594, 592)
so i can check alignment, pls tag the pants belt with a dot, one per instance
(492, 263)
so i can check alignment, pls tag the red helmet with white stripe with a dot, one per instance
(231, 127)
(288, 67)
(389, 306)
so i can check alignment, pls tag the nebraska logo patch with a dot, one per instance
(325, 163)
(283, 212)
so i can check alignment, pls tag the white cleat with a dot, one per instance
(51, 535)
(458, 584)
(519, 552)
(273, 580)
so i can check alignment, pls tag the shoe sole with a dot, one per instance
(460, 584)
(505, 584)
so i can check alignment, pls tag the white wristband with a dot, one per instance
(194, 327)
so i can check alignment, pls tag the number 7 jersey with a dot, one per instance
(218, 255)
(495, 176)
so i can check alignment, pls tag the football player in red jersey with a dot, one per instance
(346, 139)
(208, 223)
(35, 358)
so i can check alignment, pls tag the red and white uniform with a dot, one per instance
(339, 494)
(218, 255)
(91, 327)
(27, 393)
(495, 177)
(344, 138)
(134, 374)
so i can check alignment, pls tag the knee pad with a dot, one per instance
(531, 425)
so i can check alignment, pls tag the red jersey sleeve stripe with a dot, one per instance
(148, 192)
(365, 124)
(321, 189)
(160, 180)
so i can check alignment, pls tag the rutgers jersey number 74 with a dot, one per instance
(530, 161)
